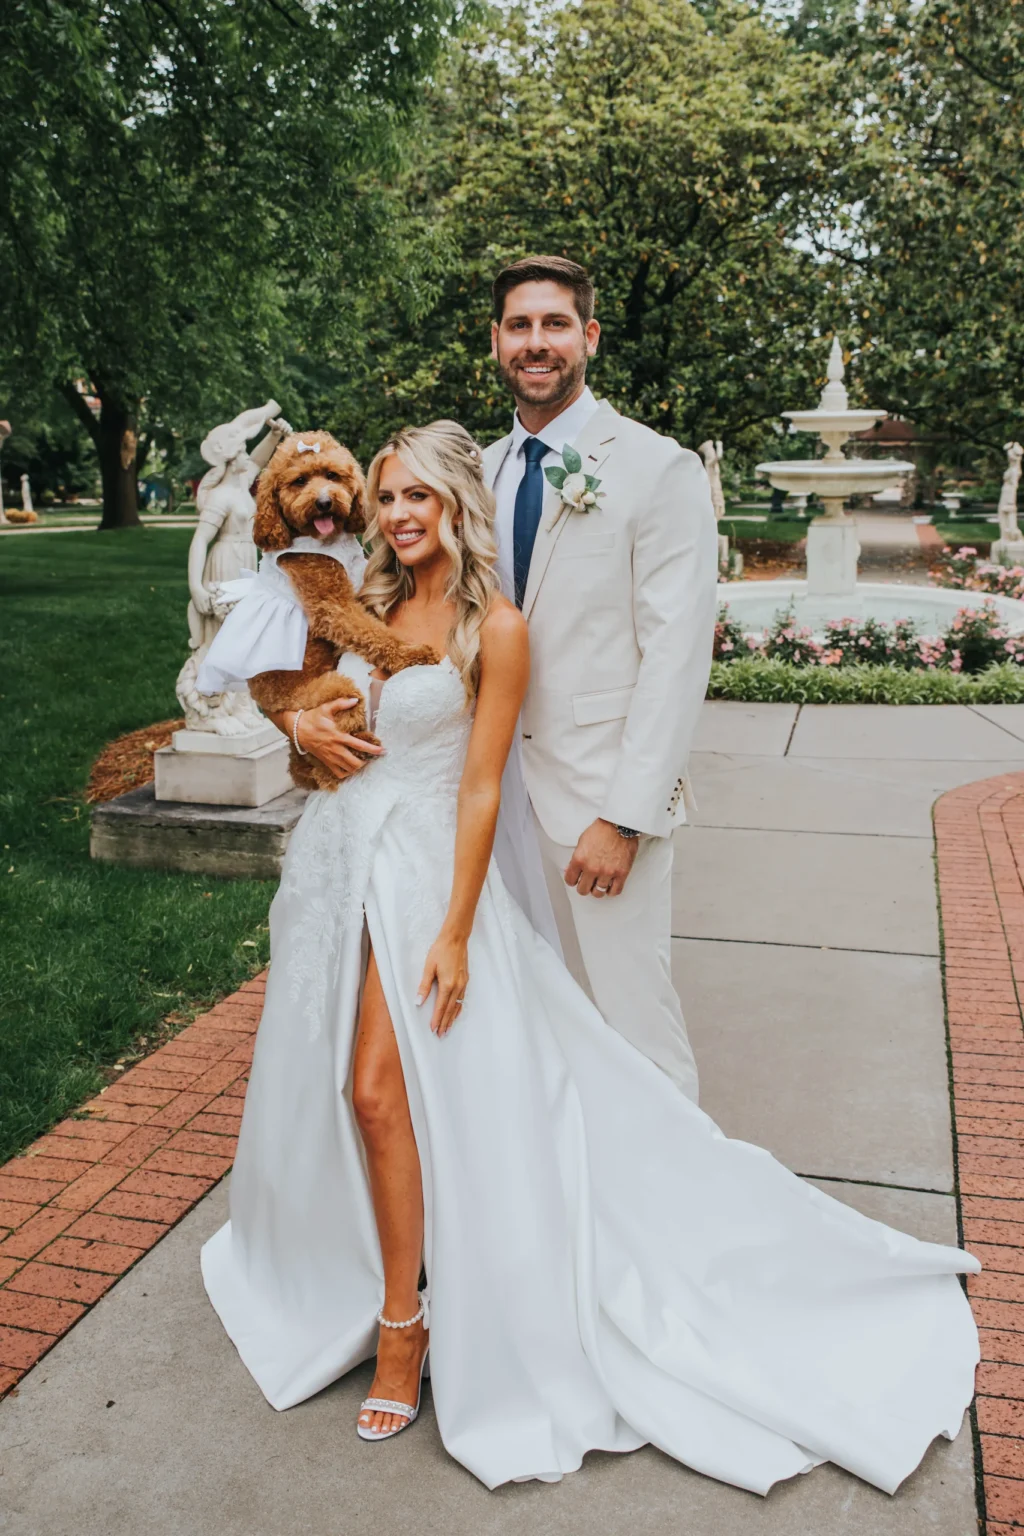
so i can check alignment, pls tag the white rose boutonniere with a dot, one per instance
(578, 492)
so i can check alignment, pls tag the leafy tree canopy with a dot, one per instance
(680, 160)
(171, 171)
(941, 254)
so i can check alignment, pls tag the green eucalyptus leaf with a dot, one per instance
(556, 477)
(592, 482)
(571, 459)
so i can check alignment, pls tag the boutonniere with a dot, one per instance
(577, 491)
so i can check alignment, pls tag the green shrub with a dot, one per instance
(782, 682)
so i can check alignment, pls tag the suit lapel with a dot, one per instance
(593, 445)
(494, 457)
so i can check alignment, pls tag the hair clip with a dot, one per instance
(474, 453)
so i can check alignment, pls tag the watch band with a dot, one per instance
(626, 831)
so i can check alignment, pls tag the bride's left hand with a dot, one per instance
(447, 966)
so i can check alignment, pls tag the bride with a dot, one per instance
(431, 1092)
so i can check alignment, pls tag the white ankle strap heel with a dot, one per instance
(409, 1411)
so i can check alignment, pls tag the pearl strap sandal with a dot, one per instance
(409, 1411)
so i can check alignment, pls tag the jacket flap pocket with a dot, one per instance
(582, 544)
(609, 704)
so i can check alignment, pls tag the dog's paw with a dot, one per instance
(421, 656)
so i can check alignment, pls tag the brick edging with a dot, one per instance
(979, 837)
(85, 1202)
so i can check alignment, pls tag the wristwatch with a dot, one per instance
(626, 831)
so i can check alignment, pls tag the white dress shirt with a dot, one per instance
(562, 429)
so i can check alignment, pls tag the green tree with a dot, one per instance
(936, 250)
(51, 448)
(173, 171)
(680, 160)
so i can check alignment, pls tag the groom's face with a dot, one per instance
(541, 345)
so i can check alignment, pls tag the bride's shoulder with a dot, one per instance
(503, 622)
(503, 633)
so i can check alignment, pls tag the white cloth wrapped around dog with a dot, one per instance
(266, 629)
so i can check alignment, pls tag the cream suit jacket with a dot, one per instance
(620, 603)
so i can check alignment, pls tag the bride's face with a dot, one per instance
(410, 515)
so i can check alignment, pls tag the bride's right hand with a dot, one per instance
(319, 735)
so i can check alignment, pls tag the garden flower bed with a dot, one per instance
(975, 639)
(962, 570)
(975, 660)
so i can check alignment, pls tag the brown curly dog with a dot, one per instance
(313, 486)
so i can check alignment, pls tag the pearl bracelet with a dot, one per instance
(295, 733)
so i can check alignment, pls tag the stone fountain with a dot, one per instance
(831, 590)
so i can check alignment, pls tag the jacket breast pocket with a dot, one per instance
(609, 704)
(582, 545)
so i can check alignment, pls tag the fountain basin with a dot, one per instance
(825, 422)
(754, 604)
(835, 479)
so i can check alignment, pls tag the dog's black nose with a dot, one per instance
(324, 502)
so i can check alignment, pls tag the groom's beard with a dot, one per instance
(564, 383)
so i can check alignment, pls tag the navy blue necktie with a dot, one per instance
(529, 501)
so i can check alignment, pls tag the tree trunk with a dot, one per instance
(117, 447)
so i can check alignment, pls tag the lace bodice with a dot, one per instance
(421, 718)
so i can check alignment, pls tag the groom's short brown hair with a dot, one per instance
(546, 269)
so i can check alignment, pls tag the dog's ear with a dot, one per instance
(356, 520)
(269, 529)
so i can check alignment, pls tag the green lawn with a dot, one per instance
(93, 957)
(961, 531)
(783, 530)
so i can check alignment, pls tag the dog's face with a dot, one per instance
(311, 486)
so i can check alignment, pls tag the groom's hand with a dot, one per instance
(602, 861)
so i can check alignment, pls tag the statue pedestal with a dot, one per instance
(832, 551)
(1007, 552)
(210, 742)
(202, 768)
(232, 842)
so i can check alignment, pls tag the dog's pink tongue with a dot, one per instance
(324, 525)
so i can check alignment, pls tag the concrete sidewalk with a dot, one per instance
(807, 958)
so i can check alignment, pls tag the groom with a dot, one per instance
(620, 602)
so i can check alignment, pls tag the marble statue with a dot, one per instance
(730, 563)
(26, 495)
(5, 432)
(1007, 508)
(221, 549)
(711, 453)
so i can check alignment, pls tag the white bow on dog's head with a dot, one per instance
(301, 447)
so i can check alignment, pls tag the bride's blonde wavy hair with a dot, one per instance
(443, 456)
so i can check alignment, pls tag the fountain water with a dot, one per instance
(832, 590)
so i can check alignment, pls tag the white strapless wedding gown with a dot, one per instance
(605, 1267)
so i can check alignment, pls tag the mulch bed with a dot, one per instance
(128, 762)
(771, 559)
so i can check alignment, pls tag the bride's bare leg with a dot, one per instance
(382, 1111)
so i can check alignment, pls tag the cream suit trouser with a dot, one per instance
(619, 949)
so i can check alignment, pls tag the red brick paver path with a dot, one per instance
(84, 1203)
(979, 833)
(929, 538)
